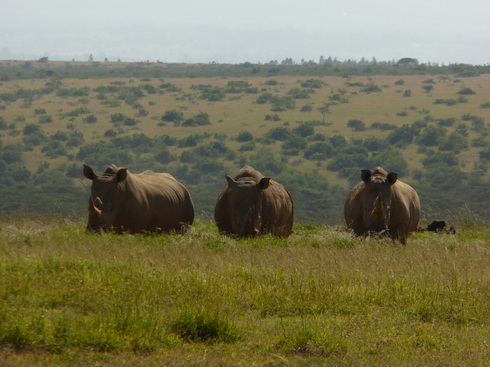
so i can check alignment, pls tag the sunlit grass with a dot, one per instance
(319, 297)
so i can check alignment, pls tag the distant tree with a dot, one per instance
(163, 156)
(90, 119)
(45, 119)
(244, 136)
(198, 120)
(391, 160)
(408, 61)
(319, 151)
(278, 133)
(110, 133)
(374, 144)
(466, 91)
(432, 136)
(173, 116)
(293, 144)
(438, 158)
(455, 142)
(338, 141)
(43, 59)
(11, 153)
(371, 88)
(356, 125)
(304, 130)
(403, 135)
(325, 109)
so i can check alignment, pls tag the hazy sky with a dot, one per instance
(437, 31)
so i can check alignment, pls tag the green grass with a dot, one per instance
(320, 297)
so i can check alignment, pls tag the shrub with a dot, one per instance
(304, 130)
(466, 91)
(163, 156)
(198, 120)
(312, 83)
(117, 117)
(205, 326)
(432, 136)
(455, 142)
(356, 125)
(371, 88)
(90, 119)
(45, 119)
(278, 133)
(244, 136)
(173, 116)
(319, 151)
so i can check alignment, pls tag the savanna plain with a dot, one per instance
(319, 297)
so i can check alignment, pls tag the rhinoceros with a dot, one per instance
(145, 202)
(252, 204)
(380, 203)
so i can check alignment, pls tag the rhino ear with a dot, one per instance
(89, 173)
(392, 177)
(264, 183)
(231, 182)
(366, 174)
(121, 174)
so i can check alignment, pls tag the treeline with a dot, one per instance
(11, 70)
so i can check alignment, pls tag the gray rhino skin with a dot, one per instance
(121, 201)
(252, 204)
(382, 202)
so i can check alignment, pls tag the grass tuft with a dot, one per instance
(205, 326)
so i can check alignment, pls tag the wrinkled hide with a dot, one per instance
(121, 201)
(381, 203)
(252, 204)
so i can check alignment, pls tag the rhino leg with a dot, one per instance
(399, 232)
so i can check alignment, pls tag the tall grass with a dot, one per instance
(319, 297)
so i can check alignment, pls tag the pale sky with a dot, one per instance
(437, 31)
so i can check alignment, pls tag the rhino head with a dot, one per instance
(377, 198)
(93, 223)
(104, 195)
(245, 200)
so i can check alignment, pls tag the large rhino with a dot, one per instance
(382, 202)
(146, 202)
(252, 204)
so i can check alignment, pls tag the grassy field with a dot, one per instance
(240, 112)
(320, 297)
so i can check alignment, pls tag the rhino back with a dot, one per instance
(405, 206)
(155, 201)
(277, 210)
(354, 209)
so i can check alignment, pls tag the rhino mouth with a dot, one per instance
(377, 227)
